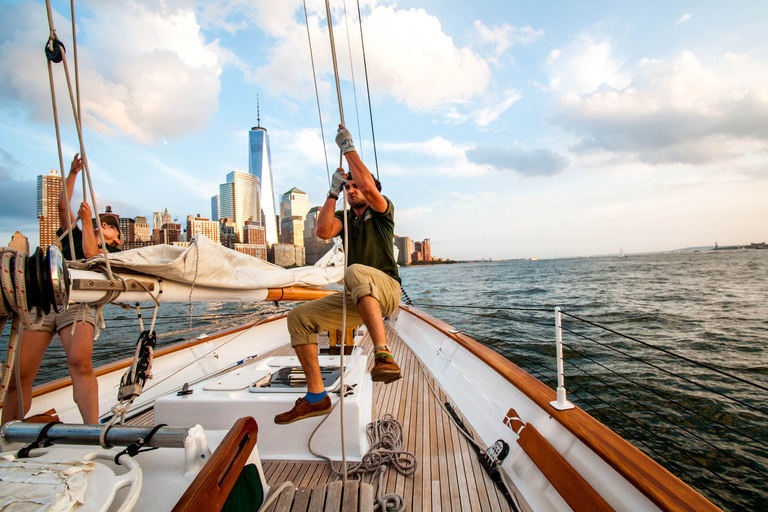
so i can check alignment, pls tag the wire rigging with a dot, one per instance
(317, 94)
(368, 89)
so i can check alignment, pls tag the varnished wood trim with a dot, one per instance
(576, 491)
(210, 488)
(663, 488)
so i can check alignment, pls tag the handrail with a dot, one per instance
(660, 486)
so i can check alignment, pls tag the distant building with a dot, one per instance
(127, 229)
(422, 251)
(286, 255)
(314, 246)
(294, 206)
(19, 243)
(405, 250)
(257, 251)
(160, 218)
(260, 166)
(215, 209)
(228, 236)
(202, 226)
(48, 190)
(254, 233)
(141, 229)
(239, 199)
(170, 233)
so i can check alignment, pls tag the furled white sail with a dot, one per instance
(208, 264)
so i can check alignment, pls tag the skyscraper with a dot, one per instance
(260, 165)
(215, 211)
(48, 189)
(202, 226)
(294, 206)
(239, 199)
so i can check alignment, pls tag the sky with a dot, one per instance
(502, 129)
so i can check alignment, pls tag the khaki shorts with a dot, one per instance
(310, 318)
(55, 322)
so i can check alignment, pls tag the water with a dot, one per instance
(709, 307)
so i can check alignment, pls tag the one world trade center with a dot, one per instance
(260, 165)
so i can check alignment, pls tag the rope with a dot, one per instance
(385, 439)
(62, 57)
(668, 352)
(317, 95)
(368, 89)
(13, 305)
(354, 87)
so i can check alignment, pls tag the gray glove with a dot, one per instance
(338, 179)
(344, 140)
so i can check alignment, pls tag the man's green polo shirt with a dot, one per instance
(371, 239)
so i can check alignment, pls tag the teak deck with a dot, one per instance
(449, 476)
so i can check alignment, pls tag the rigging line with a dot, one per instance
(527, 322)
(354, 87)
(669, 352)
(670, 373)
(52, 39)
(77, 75)
(317, 95)
(660, 396)
(627, 434)
(368, 89)
(668, 420)
(540, 310)
(346, 244)
(630, 433)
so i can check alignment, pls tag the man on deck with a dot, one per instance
(371, 281)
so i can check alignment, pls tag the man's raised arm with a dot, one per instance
(359, 171)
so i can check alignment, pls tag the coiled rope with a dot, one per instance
(13, 305)
(385, 439)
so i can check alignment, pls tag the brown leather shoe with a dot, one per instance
(304, 409)
(385, 370)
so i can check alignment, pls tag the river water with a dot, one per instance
(683, 376)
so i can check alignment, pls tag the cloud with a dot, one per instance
(678, 111)
(408, 57)
(520, 159)
(504, 36)
(585, 64)
(145, 68)
(685, 17)
(18, 198)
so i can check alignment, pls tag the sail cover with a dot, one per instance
(206, 263)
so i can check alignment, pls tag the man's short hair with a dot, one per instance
(378, 184)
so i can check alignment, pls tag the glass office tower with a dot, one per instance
(260, 165)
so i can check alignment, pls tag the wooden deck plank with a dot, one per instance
(333, 496)
(449, 475)
(301, 499)
(317, 501)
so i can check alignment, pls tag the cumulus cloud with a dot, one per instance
(678, 111)
(520, 159)
(585, 64)
(18, 198)
(408, 57)
(145, 68)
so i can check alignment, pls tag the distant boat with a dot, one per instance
(621, 253)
